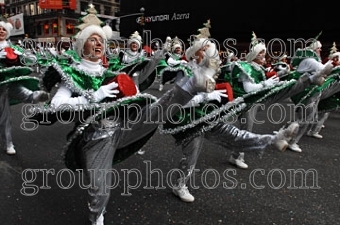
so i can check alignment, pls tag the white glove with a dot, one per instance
(3, 54)
(327, 69)
(142, 53)
(319, 77)
(217, 94)
(271, 81)
(195, 101)
(201, 97)
(183, 62)
(53, 51)
(106, 91)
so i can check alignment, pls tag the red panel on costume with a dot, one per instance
(126, 85)
(148, 50)
(227, 86)
(11, 57)
(184, 58)
(271, 74)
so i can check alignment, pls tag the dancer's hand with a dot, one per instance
(106, 91)
(327, 69)
(271, 81)
(217, 95)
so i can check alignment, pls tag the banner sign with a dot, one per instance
(17, 22)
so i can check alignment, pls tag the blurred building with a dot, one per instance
(53, 20)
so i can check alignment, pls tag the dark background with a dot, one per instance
(284, 20)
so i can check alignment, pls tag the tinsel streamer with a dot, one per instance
(215, 114)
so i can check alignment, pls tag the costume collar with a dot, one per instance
(4, 44)
(91, 68)
(257, 66)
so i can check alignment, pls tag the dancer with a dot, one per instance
(134, 62)
(251, 81)
(174, 61)
(106, 138)
(325, 95)
(308, 60)
(16, 86)
(200, 122)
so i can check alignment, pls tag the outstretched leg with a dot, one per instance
(229, 136)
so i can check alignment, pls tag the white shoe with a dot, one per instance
(161, 87)
(295, 147)
(100, 220)
(141, 152)
(288, 133)
(281, 145)
(314, 134)
(11, 150)
(239, 162)
(183, 193)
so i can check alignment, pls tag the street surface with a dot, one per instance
(268, 193)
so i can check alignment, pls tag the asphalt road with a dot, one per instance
(36, 189)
